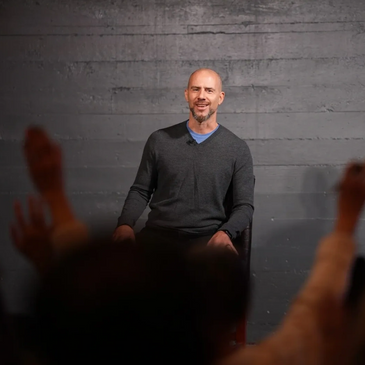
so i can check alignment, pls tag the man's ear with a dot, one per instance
(221, 97)
(186, 95)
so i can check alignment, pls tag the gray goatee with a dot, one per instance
(201, 118)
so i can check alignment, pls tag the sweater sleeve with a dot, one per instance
(313, 330)
(143, 187)
(243, 193)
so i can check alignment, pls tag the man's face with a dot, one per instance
(204, 94)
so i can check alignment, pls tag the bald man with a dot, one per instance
(189, 170)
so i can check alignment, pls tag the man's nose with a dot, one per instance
(201, 95)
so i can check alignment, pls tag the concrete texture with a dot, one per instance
(102, 75)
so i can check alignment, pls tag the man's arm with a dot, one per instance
(243, 182)
(139, 194)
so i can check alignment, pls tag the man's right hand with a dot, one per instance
(124, 233)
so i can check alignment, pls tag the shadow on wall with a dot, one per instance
(283, 253)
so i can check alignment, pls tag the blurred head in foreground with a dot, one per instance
(130, 304)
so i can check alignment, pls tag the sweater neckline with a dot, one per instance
(191, 140)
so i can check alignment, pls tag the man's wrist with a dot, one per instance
(124, 226)
(127, 226)
(228, 233)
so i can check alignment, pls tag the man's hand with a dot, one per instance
(221, 239)
(44, 160)
(124, 233)
(351, 197)
(32, 238)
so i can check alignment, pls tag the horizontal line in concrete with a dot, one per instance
(62, 113)
(184, 47)
(252, 28)
(166, 63)
(180, 12)
(128, 154)
(117, 100)
(104, 180)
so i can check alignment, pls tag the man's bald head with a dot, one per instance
(209, 73)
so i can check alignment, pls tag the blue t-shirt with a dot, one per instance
(200, 137)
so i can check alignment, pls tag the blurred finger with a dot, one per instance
(41, 211)
(19, 215)
(34, 135)
(356, 168)
(353, 169)
(58, 150)
(32, 210)
(36, 154)
(36, 211)
(36, 145)
(15, 237)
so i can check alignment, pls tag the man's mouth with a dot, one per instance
(201, 106)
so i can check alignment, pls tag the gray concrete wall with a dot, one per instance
(102, 75)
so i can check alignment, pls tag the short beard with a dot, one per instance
(201, 118)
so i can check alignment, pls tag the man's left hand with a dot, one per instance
(221, 239)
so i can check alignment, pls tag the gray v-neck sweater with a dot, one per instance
(188, 182)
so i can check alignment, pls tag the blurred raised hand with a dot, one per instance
(32, 236)
(44, 161)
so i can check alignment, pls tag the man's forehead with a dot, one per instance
(204, 78)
